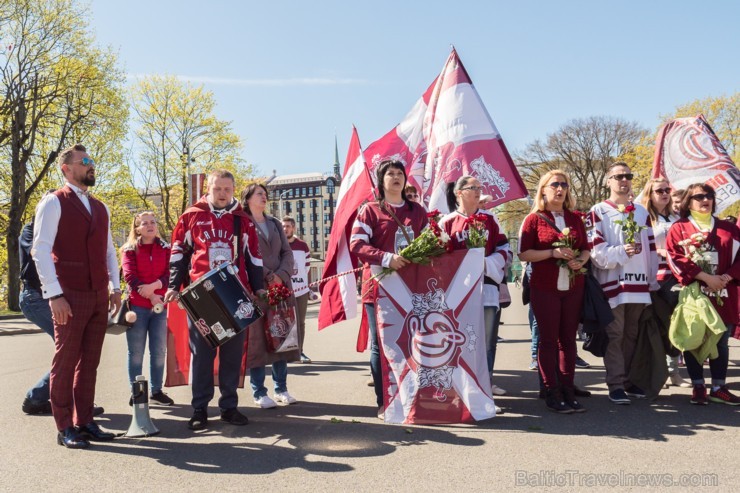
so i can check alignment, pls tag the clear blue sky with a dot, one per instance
(289, 73)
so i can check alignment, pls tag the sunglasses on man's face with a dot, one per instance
(558, 184)
(623, 176)
(85, 161)
(663, 191)
(701, 197)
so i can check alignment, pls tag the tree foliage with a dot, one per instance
(175, 126)
(56, 88)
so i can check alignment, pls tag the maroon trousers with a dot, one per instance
(74, 368)
(558, 314)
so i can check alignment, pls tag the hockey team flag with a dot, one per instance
(687, 151)
(447, 134)
(430, 324)
(339, 294)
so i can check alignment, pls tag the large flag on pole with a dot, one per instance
(687, 151)
(339, 294)
(447, 134)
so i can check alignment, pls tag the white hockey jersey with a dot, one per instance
(624, 279)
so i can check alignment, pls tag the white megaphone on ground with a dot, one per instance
(141, 423)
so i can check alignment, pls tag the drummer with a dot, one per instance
(203, 239)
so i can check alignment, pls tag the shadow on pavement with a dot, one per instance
(669, 415)
(274, 440)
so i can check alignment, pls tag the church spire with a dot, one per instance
(337, 172)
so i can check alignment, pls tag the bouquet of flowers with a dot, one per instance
(476, 231)
(431, 242)
(276, 294)
(630, 229)
(567, 239)
(696, 249)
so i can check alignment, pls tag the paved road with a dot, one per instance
(331, 441)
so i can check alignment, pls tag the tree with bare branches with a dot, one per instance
(584, 148)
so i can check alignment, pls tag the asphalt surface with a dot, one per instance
(332, 441)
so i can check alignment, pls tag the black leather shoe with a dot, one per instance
(70, 438)
(199, 420)
(30, 407)
(94, 433)
(234, 417)
(97, 410)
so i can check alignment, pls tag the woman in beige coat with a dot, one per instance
(277, 262)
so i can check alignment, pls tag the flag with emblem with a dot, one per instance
(447, 134)
(430, 324)
(687, 151)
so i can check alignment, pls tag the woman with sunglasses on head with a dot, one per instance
(723, 241)
(464, 197)
(376, 239)
(556, 290)
(145, 260)
(657, 198)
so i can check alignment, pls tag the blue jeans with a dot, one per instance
(535, 333)
(229, 369)
(155, 326)
(491, 319)
(36, 309)
(375, 370)
(279, 379)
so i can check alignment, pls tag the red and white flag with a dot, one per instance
(430, 324)
(687, 151)
(447, 134)
(339, 294)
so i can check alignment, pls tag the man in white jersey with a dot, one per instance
(627, 273)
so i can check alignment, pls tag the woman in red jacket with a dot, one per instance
(556, 291)
(722, 240)
(146, 259)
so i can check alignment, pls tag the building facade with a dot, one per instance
(311, 199)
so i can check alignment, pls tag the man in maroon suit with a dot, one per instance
(75, 268)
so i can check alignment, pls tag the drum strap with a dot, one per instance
(238, 234)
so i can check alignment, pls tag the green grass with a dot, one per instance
(4, 311)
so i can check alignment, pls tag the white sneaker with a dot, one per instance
(285, 398)
(496, 390)
(677, 381)
(265, 402)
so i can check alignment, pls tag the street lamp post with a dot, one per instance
(280, 203)
(186, 156)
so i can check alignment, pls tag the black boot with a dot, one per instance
(569, 396)
(554, 402)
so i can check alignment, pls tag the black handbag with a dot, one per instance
(118, 325)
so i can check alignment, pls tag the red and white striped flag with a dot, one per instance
(447, 134)
(339, 294)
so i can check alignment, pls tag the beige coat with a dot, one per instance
(277, 258)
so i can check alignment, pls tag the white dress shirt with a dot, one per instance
(48, 213)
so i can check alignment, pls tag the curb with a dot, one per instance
(11, 317)
(15, 332)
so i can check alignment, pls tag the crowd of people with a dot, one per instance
(635, 251)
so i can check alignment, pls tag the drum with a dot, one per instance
(218, 305)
